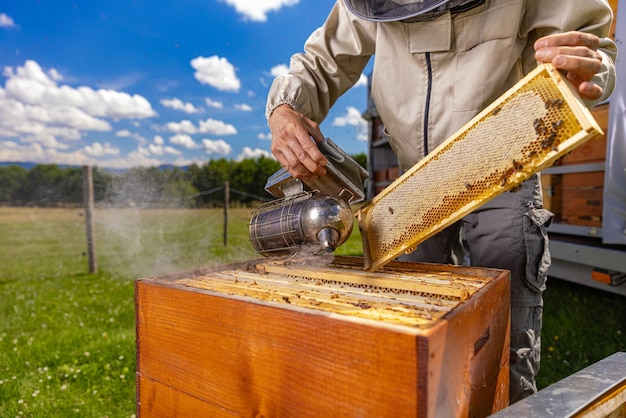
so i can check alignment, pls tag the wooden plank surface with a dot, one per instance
(163, 401)
(254, 359)
(583, 196)
(592, 151)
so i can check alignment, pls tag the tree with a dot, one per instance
(211, 175)
(49, 185)
(360, 158)
(102, 181)
(12, 184)
(250, 175)
(178, 190)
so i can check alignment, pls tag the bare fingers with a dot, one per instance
(294, 139)
(574, 53)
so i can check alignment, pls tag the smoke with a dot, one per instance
(142, 231)
(142, 242)
(309, 255)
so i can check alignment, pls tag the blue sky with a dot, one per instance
(126, 83)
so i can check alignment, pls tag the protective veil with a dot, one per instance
(389, 10)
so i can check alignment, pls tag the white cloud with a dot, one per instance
(157, 149)
(137, 158)
(125, 133)
(218, 146)
(34, 108)
(54, 74)
(353, 117)
(172, 151)
(216, 72)
(243, 107)
(208, 126)
(213, 103)
(6, 21)
(178, 104)
(362, 81)
(36, 153)
(30, 85)
(98, 150)
(184, 126)
(183, 140)
(257, 10)
(19, 119)
(248, 152)
(279, 70)
(216, 127)
(265, 136)
(70, 116)
(46, 140)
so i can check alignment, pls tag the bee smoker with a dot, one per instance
(312, 215)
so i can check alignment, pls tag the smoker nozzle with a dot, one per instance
(328, 237)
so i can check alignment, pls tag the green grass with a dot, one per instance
(67, 338)
(581, 326)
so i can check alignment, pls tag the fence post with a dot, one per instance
(226, 204)
(89, 220)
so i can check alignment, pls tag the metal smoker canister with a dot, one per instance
(307, 221)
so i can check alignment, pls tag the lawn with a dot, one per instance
(67, 338)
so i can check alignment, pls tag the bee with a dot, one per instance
(468, 186)
(362, 305)
(506, 175)
(556, 125)
(496, 111)
(390, 210)
(554, 103)
(549, 141)
(532, 154)
(540, 126)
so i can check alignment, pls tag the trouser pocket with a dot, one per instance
(536, 222)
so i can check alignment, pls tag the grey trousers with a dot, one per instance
(509, 232)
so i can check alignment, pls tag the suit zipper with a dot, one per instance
(427, 107)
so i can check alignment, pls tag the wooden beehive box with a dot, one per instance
(322, 337)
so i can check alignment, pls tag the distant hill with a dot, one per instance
(28, 166)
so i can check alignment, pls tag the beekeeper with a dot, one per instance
(437, 64)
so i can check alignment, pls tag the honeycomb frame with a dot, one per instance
(524, 131)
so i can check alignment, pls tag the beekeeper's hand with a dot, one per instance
(294, 139)
(575, 53)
